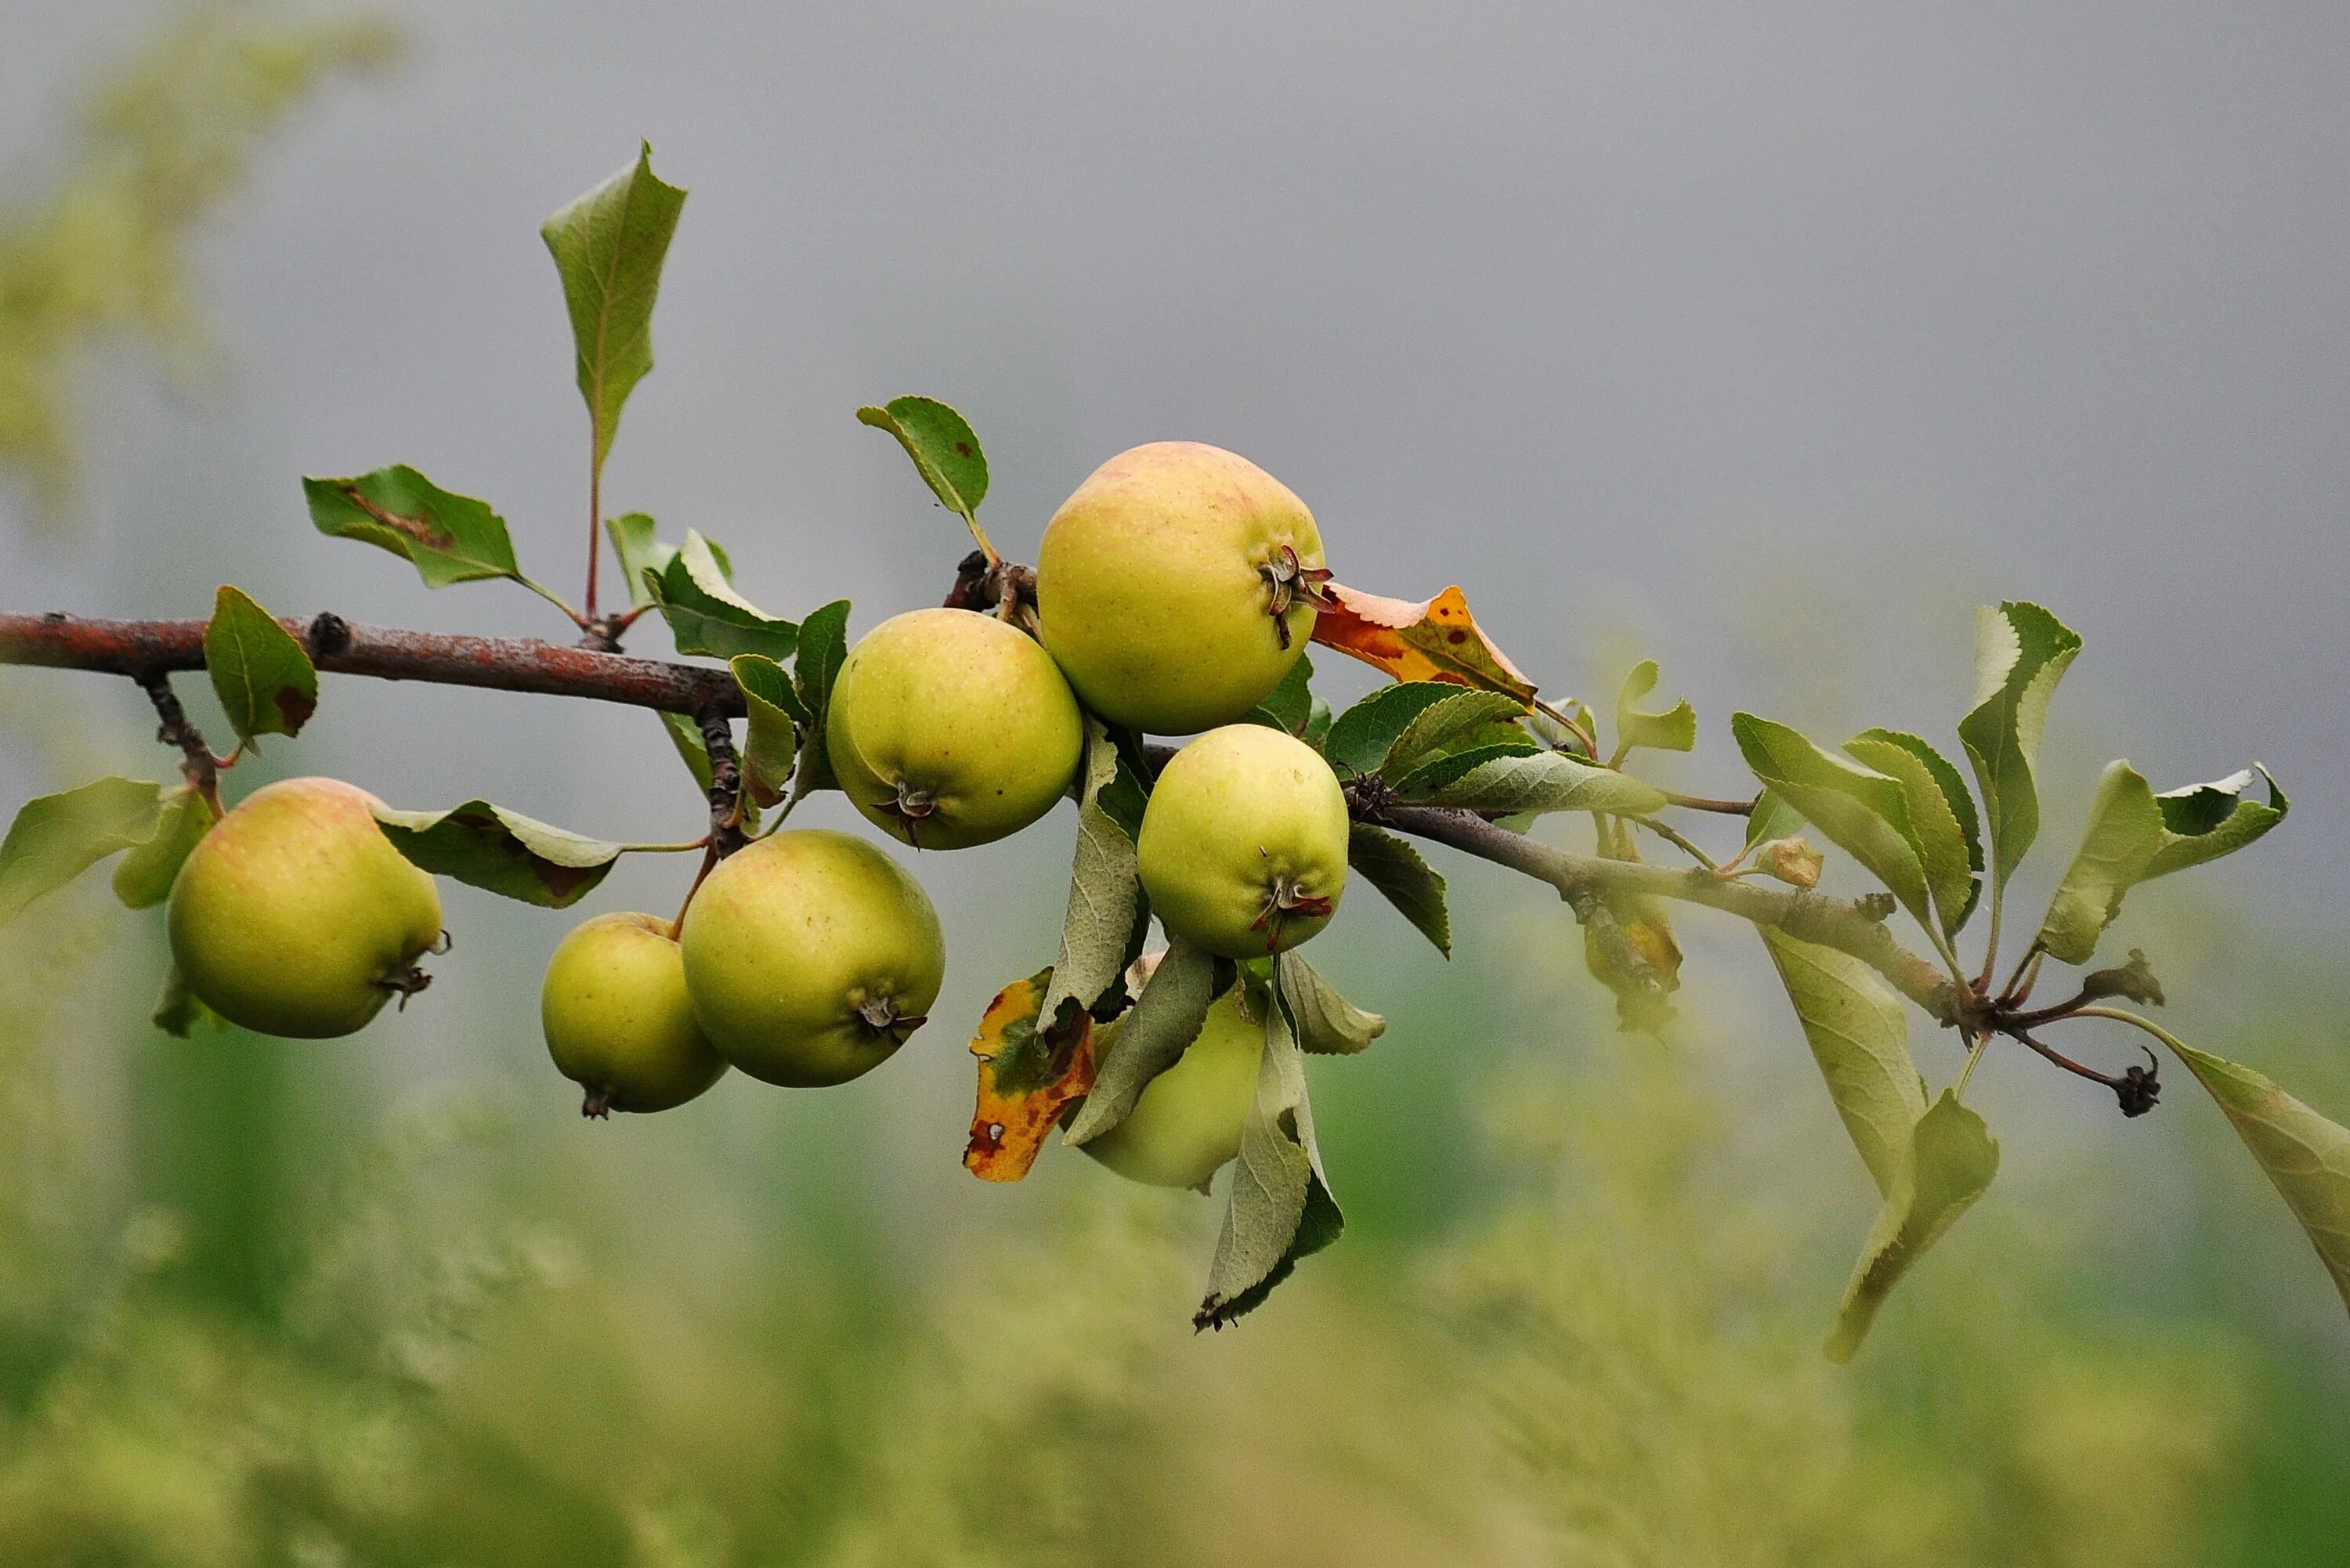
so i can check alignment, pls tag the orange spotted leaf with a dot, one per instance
(1437, 639)
(1027, 1077)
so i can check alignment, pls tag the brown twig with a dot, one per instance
(726, 782)
(197, 762)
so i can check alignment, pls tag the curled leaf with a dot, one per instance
(943, 446)
(501, 851)
(1435, 639)
(55, 837)
(144, 878)
(1278, 1208)
(1674, 730)
(776, 719)
(1860, 810)
(449, 538)
(2306, 1157)
(696, 595)
(1952, 1158)
(1327, 1023)
(1105, 889)
(1029, 1076)
(2020, 653)
(1404, 879)
(1941, 818)
(1166, 1018)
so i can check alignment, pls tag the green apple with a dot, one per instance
(617, 1021)
(810, 957)
(295, 915)
(1243, 847)
(1175, 588)
(1188, 1122)
(949, 727)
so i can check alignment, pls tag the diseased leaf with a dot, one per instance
(2307, 1157)
(55, 837)
(2020, 653)
(260, 671)
(1361, 737)
(179, 1010)
(1290, 705)
(822, 648)
(1278, 1208)
(609, 246)
(776, 719)
(1675, 730)
(2135, 835)
(1166, 1018)
(144, 878)
(640, 552)
(706, 616)
(1543, 780)
(450, 538)
(1859, 1035)
(1027, 1077)
(501, 851)
(1627, 939)
(1105, 889)
(1860, 810)
(1942, 826)
(1466, 721)
(1952, 1159)
(943, 446)
(1437, 639)
(1327, 1023)
(1392, 865)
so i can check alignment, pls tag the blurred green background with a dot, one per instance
(390, 1301)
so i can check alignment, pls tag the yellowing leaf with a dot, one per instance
(1435, 639)
(1027, 1077)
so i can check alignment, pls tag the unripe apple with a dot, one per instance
(1175, 588)
(1243, 847)
(1188, 1122)
(949, 727)
(809, 957)
(295, 915)
(617, 1021)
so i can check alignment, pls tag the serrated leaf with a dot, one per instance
(944, 448)
(1166, 1018)
(1361, 736)
(2135, 835)
(1674, 730)
(1289, 706)
(501, 851)
(55, 837)
(2306, 1157)
(1539, 782)
(1942, 824)
(1860, 810)
(178, 1010)
(706, 616)
(640, 552)
(1431, 777)
(1278, 1208)
(1416, 889)
(1327, 1024)
(609, 246)
(1952, 1159)
(450, 538)
(822, 648)
(1466, 721)
(776, 719)
(1859, 1034)
(1028, 1075)
(260, 671)
(2020, 653)
(1435, 639)
(144, 878)
(1105, 888)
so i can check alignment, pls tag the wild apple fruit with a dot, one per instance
(810, 957)
(1243, 847)
(949, 727)
(617, 1019)
(1188, 1122)
(1177, 586)
(295, 915)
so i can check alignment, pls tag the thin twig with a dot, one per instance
(197, 762)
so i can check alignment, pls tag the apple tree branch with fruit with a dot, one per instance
(1175, 594)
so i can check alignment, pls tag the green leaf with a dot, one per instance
(57, 837)
(501, 851)
(1859, 1036)
(1468, 721)
(944, 449)
(1166, 1018)
(1942, 826)
(777, 717)
(1952, 1158)
(1104, 890)
(1327, 1023)
(1278, 1208)
(706, 616)
(1290, 705)
(1392, 865)
(640, 552)
(1361, 736)
(1772, 818)
(2307, 1157)
(686, 736)
(1674, 730)
(1859, 809)
(260, 671)
(824, 647)
(2020, 653)
(450, 538)
(145, 879)
(179, 1010)
(1543, 780)
(2135, 835)
(608, 247)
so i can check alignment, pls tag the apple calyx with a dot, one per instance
(597, 1104)
(1292, 580)
(881, 1015)
(408, 982)
(912, 805)
(1287, 901)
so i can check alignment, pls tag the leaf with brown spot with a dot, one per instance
(1435, 639)
(1027, 1077)
(505, 852)
(449, 538)
(260, 671)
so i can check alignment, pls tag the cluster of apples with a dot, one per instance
(1175, 591)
